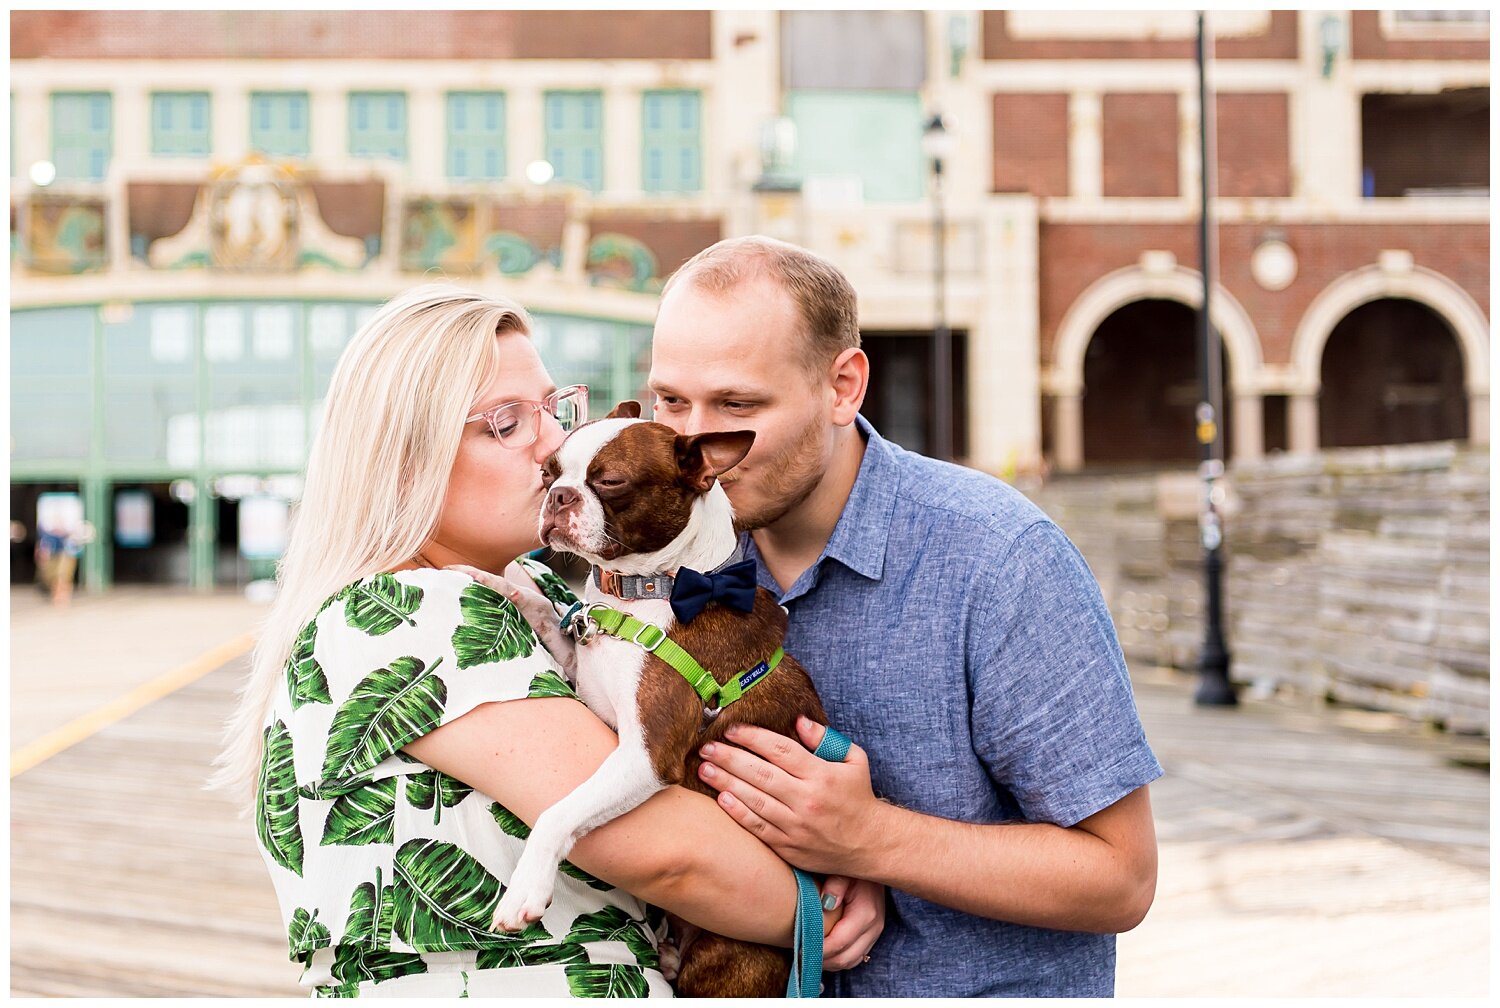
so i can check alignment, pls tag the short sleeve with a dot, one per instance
(1054, 719)
(395, 656)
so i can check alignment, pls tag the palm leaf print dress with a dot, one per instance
(388, 871)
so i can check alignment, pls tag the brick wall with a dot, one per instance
(361, 34)
(1279, 41)
(1031, 144)
(1367, 41)
(1073, 256)
(1251, 137)
(1140, 144)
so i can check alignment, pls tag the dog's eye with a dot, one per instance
(548, 477)
(609, 483)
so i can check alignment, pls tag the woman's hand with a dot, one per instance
(852, 937)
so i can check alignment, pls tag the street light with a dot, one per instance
(1214, 687)
(937, 145)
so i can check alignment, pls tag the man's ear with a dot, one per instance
(629, 409)
(702, 458)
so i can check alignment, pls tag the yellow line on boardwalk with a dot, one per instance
(78, 729)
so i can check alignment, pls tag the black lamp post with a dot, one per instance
(937, 144)
(1214, 687)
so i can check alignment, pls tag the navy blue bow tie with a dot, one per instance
(733, 586)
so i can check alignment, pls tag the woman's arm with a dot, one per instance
(677, 850)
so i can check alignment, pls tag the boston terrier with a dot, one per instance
(644, 506)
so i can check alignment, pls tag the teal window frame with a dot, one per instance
(281, 123)
(181, 123)
(671, 141)
(476, 135)
(573, 137)
(377, 124)
(82, 134)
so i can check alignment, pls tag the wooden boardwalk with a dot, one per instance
(130, 880)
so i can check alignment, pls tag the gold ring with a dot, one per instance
(865, 959)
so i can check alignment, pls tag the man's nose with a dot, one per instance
(562, 496)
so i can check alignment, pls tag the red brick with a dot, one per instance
(1279, 41)
(1251, 134)
(1368, 42)
(1074, 256)
(1031, 144)
(361, 34)
(1140, 144)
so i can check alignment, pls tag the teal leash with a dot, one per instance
(806, 980)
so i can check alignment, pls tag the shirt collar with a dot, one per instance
(859, 539)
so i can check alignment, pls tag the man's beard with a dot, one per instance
(790, 478)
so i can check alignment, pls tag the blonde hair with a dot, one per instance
(377, 474)
(824, 298)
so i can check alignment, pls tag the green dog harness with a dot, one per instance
(583, 621)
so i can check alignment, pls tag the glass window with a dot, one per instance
(476, 135)
(670, 142)
(377, 124)
(575, 137)
(179, 124)
(51, 380)
(81, 134)
(279, 123)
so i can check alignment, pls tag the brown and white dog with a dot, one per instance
(634, 498)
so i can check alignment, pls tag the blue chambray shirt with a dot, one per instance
(956, 635)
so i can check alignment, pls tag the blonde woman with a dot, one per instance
(401, 724)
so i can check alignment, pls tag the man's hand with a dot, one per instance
(818, 815)
(852, 937)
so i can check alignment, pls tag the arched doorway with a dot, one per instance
(1392, 373)
(1140, 380)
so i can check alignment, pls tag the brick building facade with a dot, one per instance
(575, 159)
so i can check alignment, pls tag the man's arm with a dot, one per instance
(1098, 875)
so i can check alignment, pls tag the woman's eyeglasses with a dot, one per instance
(517, 424)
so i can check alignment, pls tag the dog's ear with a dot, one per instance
(627, 410)
(702, 458)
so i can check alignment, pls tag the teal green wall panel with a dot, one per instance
(875, 135)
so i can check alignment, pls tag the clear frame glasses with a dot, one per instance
(517, 424)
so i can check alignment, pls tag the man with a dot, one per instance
(998, 782)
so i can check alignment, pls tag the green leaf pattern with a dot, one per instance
(363, 816)
(552, 586)
(607, 980)
(380, 604)
(277, 821)
(389, 708)
(435, 790)
(305, 680)
(390, 846)
(492, 630)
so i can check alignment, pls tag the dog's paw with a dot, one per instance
(671, 960)
(524, 901)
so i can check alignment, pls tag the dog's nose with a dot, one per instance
(562, 496)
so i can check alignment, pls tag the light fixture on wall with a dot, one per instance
(1331, 33)
(958, 42)
(778, 153)
(43, 173)
(1273, 264)
(539, 172)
